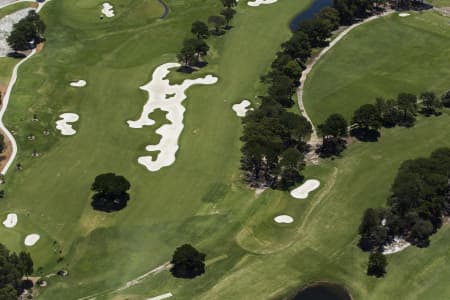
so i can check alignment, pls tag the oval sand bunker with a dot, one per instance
(63, 126)
(284, 219)
(303, 191)
(10, 221)
(79, 83)
(31, 239)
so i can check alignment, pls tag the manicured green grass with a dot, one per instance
(200, 199)
(396, 55)
(15, 7)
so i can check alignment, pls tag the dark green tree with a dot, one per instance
(331, 15)
(445, 99)
(229, 3)
(29, 29)
(298, 47)
(228, 13)
(368, 121)
(200, 30)
(430, 102)
(317, 30)
(335, 126)
(377, 265)
(110, 192)
(407, 103)
(217, 22)
(187, 262)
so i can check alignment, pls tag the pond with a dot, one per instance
(323, 291)
(315, 7)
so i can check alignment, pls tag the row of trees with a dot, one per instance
(274, 138)
(27, 32)
(369, 118)
(12, 269)
(194, 49)
(419, 201)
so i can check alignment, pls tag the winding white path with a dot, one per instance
(8, 95)
(314, 139)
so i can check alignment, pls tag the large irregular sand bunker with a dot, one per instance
(10, 221)
(242, 108)
(283, 219)
(260, 2)
(31, 239)
(107, 10)
(63, 124)
(167, 98)
(303, 191)
(397, 245)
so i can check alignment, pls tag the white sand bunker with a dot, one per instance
(260, 2)
(63, 126)
(303, 191)
(284, 219)
(31, 239)
(161, 297)
(108, 10)
(396, 246)
(10, 221)
(6, 26)
(242, 108)
(167, 98)
(403, 14)
(79, 83)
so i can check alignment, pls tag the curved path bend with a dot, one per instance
(7, 96)
(314, 140)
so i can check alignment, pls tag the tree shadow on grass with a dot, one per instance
(365, 135)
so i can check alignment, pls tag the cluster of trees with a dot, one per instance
(353, 10)
(419, 201)
(12, 269)
(27, 32)
(110, 192)
(187, 262)
(195, 48)
(334, 131)
(369, 118)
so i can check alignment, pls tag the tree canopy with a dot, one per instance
(377, 265)
(110, 192)
(12, 268)
(200, 30)
(187, 262)
(28, 30)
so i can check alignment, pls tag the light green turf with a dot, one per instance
(200, 199)
(396, 54)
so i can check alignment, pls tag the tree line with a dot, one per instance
(369, 118)
(195, 48)
(419, 200)
(275, 138)
(12, 269)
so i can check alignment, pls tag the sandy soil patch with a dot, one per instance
(284, 219)
(161, 297)
(6, 26)
(303, 191)
(10, 221)
(167, 98)
(242, 108)
(31, 239)
(403, 14)
(63, 124)
(78, 83)
(108, 10)
(256, 3)
(396, 246)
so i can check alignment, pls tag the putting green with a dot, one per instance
(200, 199)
